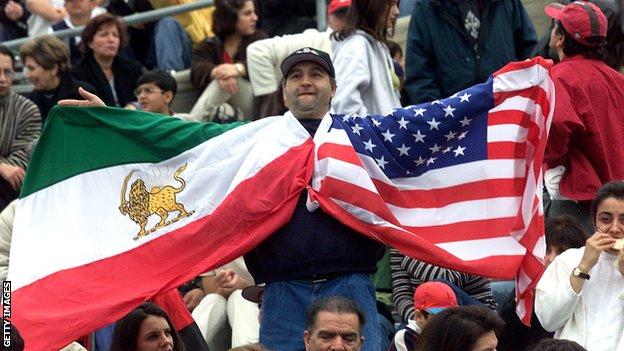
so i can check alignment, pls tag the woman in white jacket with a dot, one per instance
(581, 294)
(365, 77)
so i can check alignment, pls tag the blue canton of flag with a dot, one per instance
(419, 138)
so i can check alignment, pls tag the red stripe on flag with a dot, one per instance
(504, 150)
(520, 118)
(130, 278)
(344, 153)
(432, 198)
(466, 230)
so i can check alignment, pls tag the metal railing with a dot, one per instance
(149, 16)
(137, 18)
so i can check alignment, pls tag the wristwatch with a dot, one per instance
(578, 273)
(240, 69)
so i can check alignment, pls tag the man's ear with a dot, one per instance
(306, 340)
(560, 41)
(168, 96)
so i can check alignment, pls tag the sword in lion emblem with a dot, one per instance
(160, 201)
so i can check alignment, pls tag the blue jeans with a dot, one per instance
(171, 45)
(284, 305)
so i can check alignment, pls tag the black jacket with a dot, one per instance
(126, 72)
(442, 58)
(67, 89)
(312, 245)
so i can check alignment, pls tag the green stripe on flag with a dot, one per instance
(76, 140)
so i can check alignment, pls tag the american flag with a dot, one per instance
(455, 182)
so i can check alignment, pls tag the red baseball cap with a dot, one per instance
(434, 297)
(337, 5)
(581, 19)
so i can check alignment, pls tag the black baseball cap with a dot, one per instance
(308, 54)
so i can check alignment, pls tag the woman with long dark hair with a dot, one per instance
(365, 77)
(219, 69)
(146, 328)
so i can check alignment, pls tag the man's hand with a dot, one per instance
(13, 10)
(12, 174)
(193, 297)
(56, 15)
(228, 281)
(91, 100)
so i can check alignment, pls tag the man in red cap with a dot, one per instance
(585, 146)
(430, 298)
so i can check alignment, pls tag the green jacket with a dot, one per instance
(442, 58)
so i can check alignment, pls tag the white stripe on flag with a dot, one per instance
(469, 250)
(474, 210)
(522, 79)
(506, 132)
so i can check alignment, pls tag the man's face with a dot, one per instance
(153, 99)
(555, 43)
(334, 332)
(6, 74)
(308, 90)
(79, 8)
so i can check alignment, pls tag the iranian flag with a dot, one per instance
(121, 206)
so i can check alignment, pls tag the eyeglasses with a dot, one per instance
(7, 72)
(147, 91)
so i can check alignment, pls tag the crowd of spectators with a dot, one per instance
(243, 59)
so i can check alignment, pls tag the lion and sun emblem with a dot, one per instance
(161, 201)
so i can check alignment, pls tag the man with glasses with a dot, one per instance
(20, 126)
(155, 91)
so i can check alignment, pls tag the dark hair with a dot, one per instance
(98, 22)
(127, 328)
(47, 51)
(394, 48)
(614, 47)
(613, 189)
(459, 328)
(225, 16)
(341, 12)
(571, 47)
(161, 79)
(564, 232)
(334, 304)
(17, 342)
(557, 345)
(369, 16)
(6, 51)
